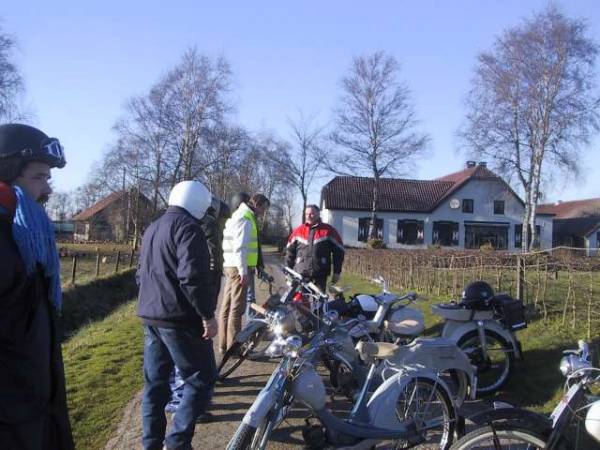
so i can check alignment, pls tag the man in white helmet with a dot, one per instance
(177, 306)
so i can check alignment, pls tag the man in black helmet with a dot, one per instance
(33, 407)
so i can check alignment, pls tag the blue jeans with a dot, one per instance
(195, 359)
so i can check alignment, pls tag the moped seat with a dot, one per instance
(369, 351)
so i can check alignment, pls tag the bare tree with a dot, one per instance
(532, 105)
(375, 124)
(11, 83)
(300, 164)
(60, 206)
(196, 101)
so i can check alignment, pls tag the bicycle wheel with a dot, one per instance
(494, 371)
(500, 437)
(236, 355)
(427, 403)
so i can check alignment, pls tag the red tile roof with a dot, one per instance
(396, 194)
(567, 210)
(354, 193)
(87, 214)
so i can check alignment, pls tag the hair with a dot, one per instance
(258, 200)
(315, 207)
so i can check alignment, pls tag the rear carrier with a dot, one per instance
(511, 312)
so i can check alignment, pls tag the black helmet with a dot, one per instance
(238, 199)
(478, 291)
(20, 144)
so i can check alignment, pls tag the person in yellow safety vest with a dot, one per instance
(241, 256)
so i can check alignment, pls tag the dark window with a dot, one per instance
(479, 235)
(498, 206)
(519, 236)
(445, 233)
(363, 228)
(410, 232)
(467, 205)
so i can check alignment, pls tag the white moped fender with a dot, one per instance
(382, 404)
(260, 408)
(456, 330)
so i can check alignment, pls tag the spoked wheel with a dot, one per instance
(427, 403)
(500, 437)
(494, 370)
(236, 355)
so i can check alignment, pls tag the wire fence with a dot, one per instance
(557, 284)
(81, 266)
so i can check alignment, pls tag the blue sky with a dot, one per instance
(82, 60)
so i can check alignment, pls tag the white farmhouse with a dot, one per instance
(466, 209)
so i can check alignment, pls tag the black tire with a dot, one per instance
(491, 375)
(433, 395)
(507, 436)
(236, 355)
(242, 438)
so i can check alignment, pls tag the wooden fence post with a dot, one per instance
(520, 278)
(97, 264)
(117, 263)
(74, 269)
(131, 258)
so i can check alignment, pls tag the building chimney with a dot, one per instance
(470, 164)
(482, 164)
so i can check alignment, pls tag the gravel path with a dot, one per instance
(231, 401)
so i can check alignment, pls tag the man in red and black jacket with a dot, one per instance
(311, 248)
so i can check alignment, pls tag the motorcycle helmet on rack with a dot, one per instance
(477, 293)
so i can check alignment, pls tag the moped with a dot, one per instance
(510, 428)
(486, 332)
(412, 405)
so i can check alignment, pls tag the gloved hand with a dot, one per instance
(335, 278)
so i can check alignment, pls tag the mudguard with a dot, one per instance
(456, 330)
(512, 414)
(440, 354)
(382, 404)
(260, 408)
(246, 333)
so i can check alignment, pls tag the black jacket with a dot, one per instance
(214, 239)
(173, 274)
(32, 380)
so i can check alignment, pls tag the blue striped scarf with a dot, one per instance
(34, 235)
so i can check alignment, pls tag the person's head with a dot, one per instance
(259, 203)
(312, 214)
(192, 196)
(238, 199)
(26, 157)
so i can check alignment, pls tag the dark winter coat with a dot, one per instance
(311, 250)
(33, 407)
(173, 274)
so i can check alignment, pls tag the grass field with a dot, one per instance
(103, 366)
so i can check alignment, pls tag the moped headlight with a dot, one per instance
(571, 364)
(292, 346)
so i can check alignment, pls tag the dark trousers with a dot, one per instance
(320, 281)
(195, 359)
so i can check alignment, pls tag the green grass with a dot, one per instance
(537, 383)
(103, 365)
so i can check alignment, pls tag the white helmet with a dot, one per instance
(592, 420)
(191, 196)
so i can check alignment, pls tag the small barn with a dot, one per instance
(115, 218)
